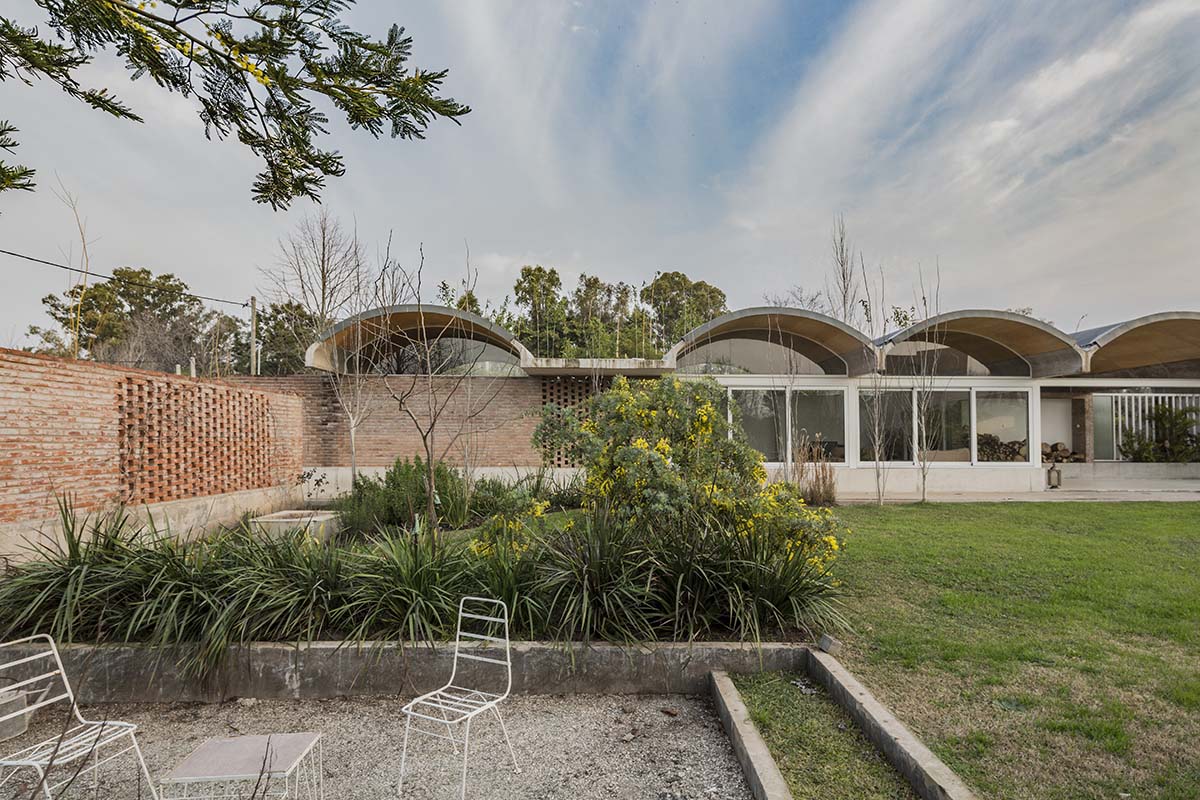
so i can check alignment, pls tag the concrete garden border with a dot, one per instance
(139, 674)
(762, 773)
(925, 772)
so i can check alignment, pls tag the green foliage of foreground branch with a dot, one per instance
(258, 69)
(594, 577)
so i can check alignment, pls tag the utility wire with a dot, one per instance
(102, 276)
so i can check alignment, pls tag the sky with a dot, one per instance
(1033, 154)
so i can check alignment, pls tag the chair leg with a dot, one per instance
(466, 751)
(145, 770)
(44, 782)
(403, 755)
(504, 730)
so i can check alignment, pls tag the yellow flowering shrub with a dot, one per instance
(659, 447)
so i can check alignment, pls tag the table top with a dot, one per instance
(244, 758)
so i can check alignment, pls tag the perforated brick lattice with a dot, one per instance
(566, 393)
(181, 439)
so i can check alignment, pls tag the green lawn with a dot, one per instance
(1043, 650)
(821, 753)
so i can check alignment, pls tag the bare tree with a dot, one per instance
(319, 267)
(363, 349)
(930, 425)
(798, 297)
(431, 367)
(322, 270)
(843, 295)
(878, 318)
(71, 201)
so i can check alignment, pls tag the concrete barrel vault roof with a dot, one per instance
(834, 338)
(995, 338)
(408, 318)
(1155, 340)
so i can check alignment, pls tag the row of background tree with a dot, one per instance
(154, 321)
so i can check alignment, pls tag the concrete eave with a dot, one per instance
(602, 367)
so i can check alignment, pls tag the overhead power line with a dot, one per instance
(126, 281)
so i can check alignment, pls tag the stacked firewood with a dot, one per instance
(1059, 453)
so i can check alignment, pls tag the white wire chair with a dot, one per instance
(78, 746)
(455, 704)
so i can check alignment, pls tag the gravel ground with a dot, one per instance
(579, 747)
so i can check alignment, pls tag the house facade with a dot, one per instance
(1002, 395)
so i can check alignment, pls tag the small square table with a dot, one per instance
(278, 765)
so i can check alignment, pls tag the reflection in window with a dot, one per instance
(447, 356)
(791, 355)
(1002, 426)
(946, 425)
(763, 417)
(1105, 441)
(885, 426)
(819, 417)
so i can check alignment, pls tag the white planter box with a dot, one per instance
(321, 525)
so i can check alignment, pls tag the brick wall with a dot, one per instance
(489, 421)
(107, 435)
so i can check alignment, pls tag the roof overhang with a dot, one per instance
(835, 338)
(417, 322)
(994, 338)
(597, 367)
(1155, 341)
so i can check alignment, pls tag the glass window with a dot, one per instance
(885, 423)
(1002, 426)
(946, 425)
(449, 355)
(763, 417)
(1102, 416)
(792, 355)
(819, 418)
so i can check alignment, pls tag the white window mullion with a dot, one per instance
(974, 431)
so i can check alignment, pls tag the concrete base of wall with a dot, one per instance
(1113, 470)
(336, 480)
(859, 481)
(135, 674)
(184, 518)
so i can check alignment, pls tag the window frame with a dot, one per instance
(787, 390)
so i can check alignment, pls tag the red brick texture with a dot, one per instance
(107, 435)
(488, 422)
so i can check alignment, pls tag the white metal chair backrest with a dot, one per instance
(488, 614)
(39, 674)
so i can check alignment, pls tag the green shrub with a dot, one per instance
(1171, 438)
(399, 498)
(491, 496)
(599, 575)
(657, 448)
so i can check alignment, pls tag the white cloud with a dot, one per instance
(1043, 152)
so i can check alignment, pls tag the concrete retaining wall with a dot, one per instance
(184, 518)
(135, 674)
(336, 481)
